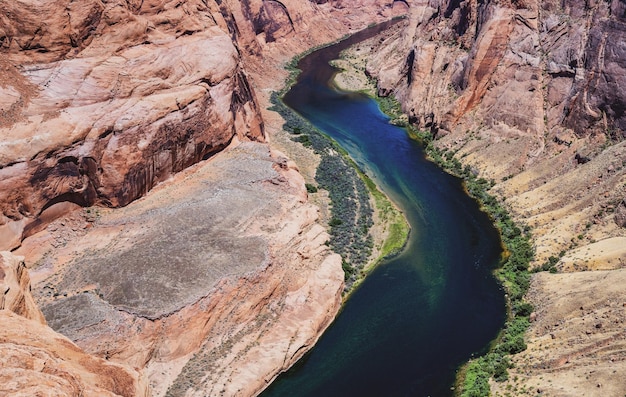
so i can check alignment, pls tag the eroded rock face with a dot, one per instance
(102, 100)
(215, 281)
(620, 214)
(480, 61)
(35, 360)
(576, 341)
(15, 288)
(223, 279)
(101, 108)
(529, 94)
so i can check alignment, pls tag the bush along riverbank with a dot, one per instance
(349, 192)
(513, 272)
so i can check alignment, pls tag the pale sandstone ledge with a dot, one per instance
(35, 360)
(15, 288)
(214, 282)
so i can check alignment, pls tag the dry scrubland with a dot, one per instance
(197, 300)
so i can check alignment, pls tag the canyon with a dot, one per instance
(166, 235)
(529, 94)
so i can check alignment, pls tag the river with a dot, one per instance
(420, 315)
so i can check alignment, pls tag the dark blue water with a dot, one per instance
(422, 314)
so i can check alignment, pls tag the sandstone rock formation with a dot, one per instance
(218, 280)
(478, 77)
(103, 100)
(529, 93)
(35, 360)
(15, 288)
(214, 282)
(491, 56)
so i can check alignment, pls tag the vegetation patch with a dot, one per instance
(398, 227)
(391, 107)
(351, 212)
(349, 191)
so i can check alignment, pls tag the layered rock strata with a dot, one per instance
(577, 342)
(528, 94)
(494, 82)
(35, 360)
(214, 282)
(15, 288)
(218, 280)
(101, 101)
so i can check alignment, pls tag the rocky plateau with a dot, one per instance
(210, 284)
(36, 360)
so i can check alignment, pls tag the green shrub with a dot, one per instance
(335, 222)
(310, 188)
(304, 140)
(348, 270)
(351, 212)
(522, 309)
(476, 382)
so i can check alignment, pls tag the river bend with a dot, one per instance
(418, 316)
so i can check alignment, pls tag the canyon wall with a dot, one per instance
(469, 54)
(530, 94)
(102, 100)
(527, 93)
(178, 278)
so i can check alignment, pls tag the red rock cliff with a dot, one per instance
(530, 94)
(522, 89)
(102, 100)
(560, 49)
(217, 280)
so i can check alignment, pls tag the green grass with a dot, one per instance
(398, 226)
(398, 234)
